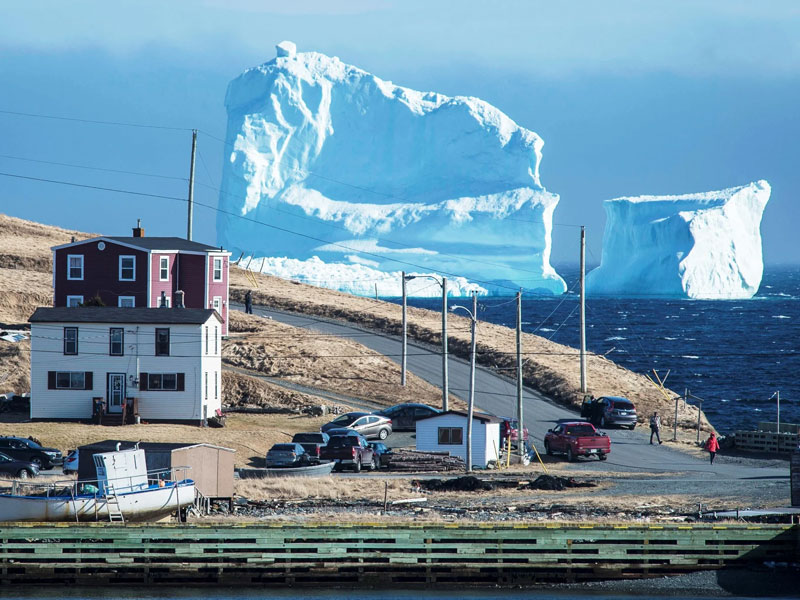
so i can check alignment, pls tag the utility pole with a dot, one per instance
(699, 412)
(520, 423)
(583, 309)
(191, 186)
(778, 395)
(405, 340)
(445, 377)
(471, 407)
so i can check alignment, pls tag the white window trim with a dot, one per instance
(161, 268)
(69, 258)
(216, 304)
(214, 268)
(78, 298)
(131, 298)
(123, 256)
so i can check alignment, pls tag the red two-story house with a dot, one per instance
(141, 272)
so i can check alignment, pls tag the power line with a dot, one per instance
(60, 164)
(92, 121)
(93, 187)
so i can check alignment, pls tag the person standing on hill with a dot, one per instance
(248, 302)
(655, 427)
(712, 445)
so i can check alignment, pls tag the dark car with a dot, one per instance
(312, 442)
(405, 416)
(30, 451)
(287, 455)
(17, 468)
(609, 410)
(383, 453)
(337, 431)
(368, 425)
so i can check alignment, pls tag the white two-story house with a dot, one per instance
(167, 359)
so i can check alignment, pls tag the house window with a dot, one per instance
(167, 382)
(217, 269)
(116, 341)
(164, 268)
(216, 304)
(216, 385)
(126, 301)
(206, 339)
(162, 341)
(216, 340)
(127, 268)
(163, 301)
(451, 436)
(162, 382)
(73, 301)
(69, 380)
(70, 340)
(74, 266)
(206, 384)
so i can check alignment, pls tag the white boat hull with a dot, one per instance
(148, 504)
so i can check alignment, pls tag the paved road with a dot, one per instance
(631, 451)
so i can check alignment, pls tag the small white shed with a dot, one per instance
(447, 431)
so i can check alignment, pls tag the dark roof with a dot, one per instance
(111, 446)
(165, 243)
(484, 418)
(112, 314)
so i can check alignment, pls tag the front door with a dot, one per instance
(116, 392)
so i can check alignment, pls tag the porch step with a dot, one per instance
(112, 419)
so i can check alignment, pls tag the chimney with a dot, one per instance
(138, 231)
(178, 299)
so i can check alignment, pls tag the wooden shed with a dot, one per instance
(447, 431)
(211, 467)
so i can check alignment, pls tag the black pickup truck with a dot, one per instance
(350, 450)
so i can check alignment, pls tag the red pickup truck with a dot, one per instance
(577, 438)
(349, 450)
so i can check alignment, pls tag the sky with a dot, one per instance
(630, 97)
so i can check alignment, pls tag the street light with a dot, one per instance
(445, 378)
(473, 314)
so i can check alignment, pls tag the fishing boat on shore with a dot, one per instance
(123, 491)
(314, 470)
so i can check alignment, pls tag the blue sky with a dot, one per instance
(630, 97)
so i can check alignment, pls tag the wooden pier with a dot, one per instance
(377, 554)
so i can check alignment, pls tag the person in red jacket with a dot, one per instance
(712, 445)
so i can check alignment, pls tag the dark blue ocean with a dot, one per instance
(734, 354)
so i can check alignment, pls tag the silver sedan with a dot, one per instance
(368, 425)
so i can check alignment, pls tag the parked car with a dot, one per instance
(70, 463)
(383, 453)
(405, 416)
(312, 442)
(513, 426)
(336, 431)
(350, 450)
(31, 451)
(368, 425)
(287, 455)
(609, 410)
(577, 438)
(17, 468)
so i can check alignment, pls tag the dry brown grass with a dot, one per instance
(323, 488)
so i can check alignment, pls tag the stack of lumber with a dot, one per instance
(417, 460)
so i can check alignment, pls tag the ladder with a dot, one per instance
(112, 505)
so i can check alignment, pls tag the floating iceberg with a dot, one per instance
(705, 246)
(355, 170)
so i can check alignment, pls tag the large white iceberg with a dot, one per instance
(353, 169)
(705, 246)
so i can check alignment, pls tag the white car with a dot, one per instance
(71, 462)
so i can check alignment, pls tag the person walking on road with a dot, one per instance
(248, 303)
(655, 427)
(712, 445)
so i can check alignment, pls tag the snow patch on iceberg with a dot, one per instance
(361, 279)
(328, 151)
(703, 246)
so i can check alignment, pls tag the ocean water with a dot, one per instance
(734, 354)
